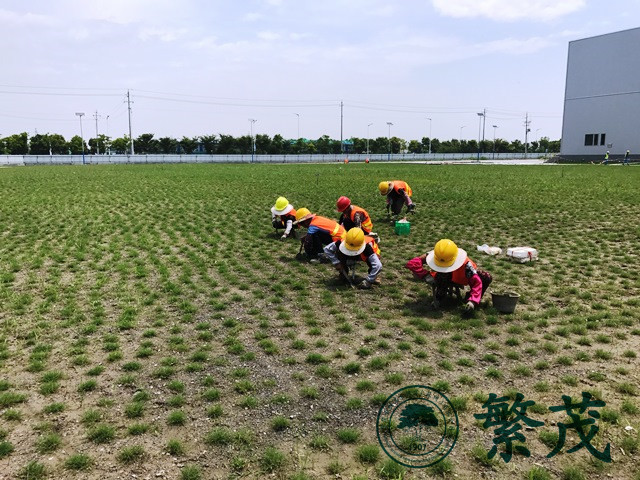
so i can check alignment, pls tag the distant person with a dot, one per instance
(398, 193)
(626, 158)
(606, 158)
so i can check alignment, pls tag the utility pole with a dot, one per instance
(484, 121)
(526, 132)
(96, 116)
(368, 139)
(341, 125)
(389, 139)
(494, 140)
(80, 115)
(429, 135)
(129, 107)
(253, 143)
(108, 145)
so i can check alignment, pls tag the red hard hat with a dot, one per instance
(343, 203)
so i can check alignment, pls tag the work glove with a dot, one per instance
(365, 285)
(469, 307)
(411, 208)
(283, 238)
(429, 280)
(435, 304)
(339, 267)
(388, 208)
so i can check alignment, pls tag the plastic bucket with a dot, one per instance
(402, 228)
(505, 302)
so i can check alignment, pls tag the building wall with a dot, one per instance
(602, 95)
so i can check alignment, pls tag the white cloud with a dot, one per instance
(164, 34)
(269, 36)
(508, 10)
(8, 17)
(252, 17)
(128, 11)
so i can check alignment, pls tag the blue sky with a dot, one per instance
(205, 67)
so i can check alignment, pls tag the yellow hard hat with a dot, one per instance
(281, 203)
(353, 243)
(301, 213)
(383, 187)
(354, 239)
(446, 256)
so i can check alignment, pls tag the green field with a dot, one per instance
(151, 322)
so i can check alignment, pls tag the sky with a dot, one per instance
(204, 67)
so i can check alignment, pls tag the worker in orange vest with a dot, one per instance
(451, 270)
(353, 216)
(282, 216)
(321, 231)
(344, 254)
(398, 193)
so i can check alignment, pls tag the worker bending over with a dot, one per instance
(282, 216)
(398, 193)
(344, 254)
(353, 216)
(451, 270)
(321, 231)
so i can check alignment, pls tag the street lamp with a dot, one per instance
(494, 140)
(463, 126)
(481, 120)
(80, 114)
(108, 143)
(368, 139)
(429, 135)
(389, 156)
(253, 142)
(298, 115)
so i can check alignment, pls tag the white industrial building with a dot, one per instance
(602, 97)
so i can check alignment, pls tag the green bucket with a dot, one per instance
(402, 228)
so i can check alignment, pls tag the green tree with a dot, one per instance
(278, 145)
(39, 145)
(263, 144)
(415, 147)
(99, 145)
(227, 145)
(120, 145)
(168, 145)
(323, 145)
(76, 144)
(17, 144)
(146, 144)
(209, 143)
(188, 145)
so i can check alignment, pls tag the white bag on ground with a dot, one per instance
(489, 250)
(522, 254)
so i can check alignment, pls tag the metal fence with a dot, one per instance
(203, 158)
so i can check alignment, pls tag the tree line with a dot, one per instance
(55, 144)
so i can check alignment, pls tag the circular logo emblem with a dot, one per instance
(417, 426)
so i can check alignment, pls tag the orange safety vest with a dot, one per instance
(334, 229)
(399, 184)
(367, 224)
(459, 276)
(292, 213)
(374, 246)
